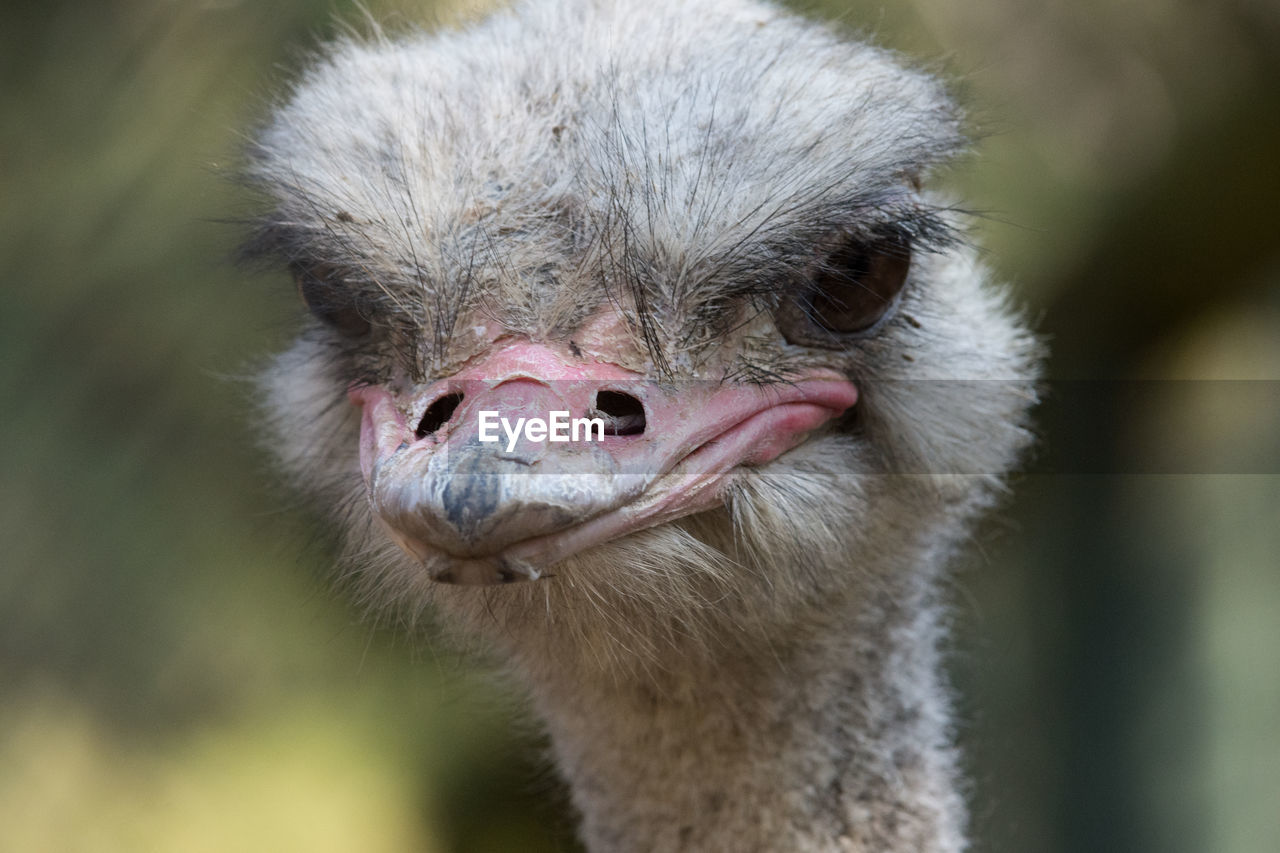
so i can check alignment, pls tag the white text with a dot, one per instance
(558, 428)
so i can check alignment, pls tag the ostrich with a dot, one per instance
(706, 230)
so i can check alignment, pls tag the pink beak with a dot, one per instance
(506, 473)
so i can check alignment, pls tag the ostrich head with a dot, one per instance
(707, 225)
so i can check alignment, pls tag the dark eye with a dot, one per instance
(848, 292)
(331, 303)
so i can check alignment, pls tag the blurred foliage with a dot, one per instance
(175, 676)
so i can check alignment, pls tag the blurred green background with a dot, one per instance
(175, 674)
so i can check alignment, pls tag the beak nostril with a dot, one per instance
(438, 414)
(623, 414)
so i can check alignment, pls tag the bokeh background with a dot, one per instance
(175, 674)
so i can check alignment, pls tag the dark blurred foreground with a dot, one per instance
(174, 674)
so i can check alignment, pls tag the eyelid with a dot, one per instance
(328, 300)
(849, 294)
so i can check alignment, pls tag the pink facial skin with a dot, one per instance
(479, 513)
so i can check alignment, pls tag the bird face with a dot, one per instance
(703, 230)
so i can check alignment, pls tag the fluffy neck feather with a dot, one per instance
(837, 741)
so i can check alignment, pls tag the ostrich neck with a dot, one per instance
(837, 742)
